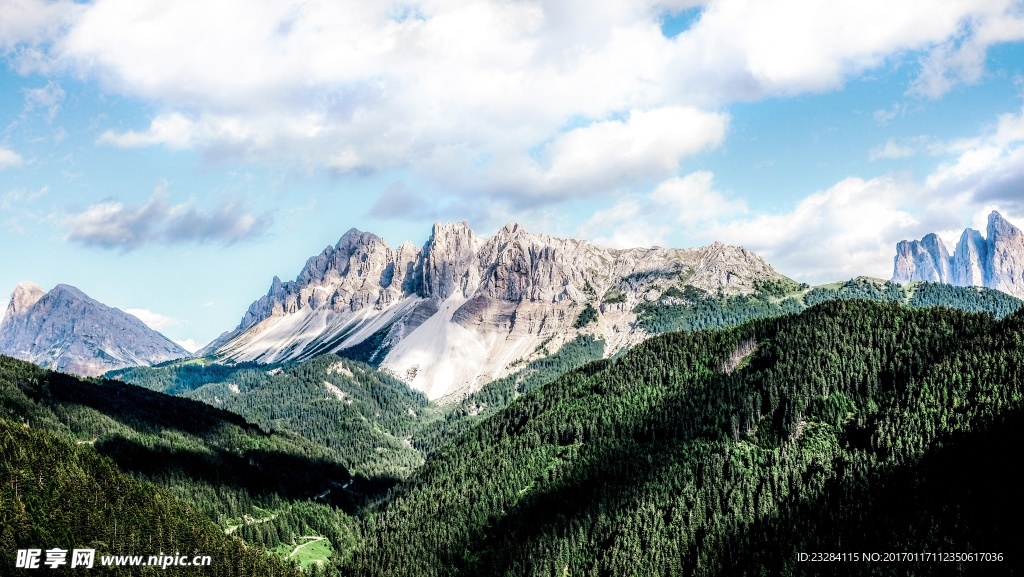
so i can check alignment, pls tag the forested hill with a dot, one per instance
(271, 488)
(361, 415)
(854, 426)
(692, 310)
(58, 495)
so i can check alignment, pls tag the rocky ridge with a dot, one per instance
(994, 261)
(465, 309)
(68, 331)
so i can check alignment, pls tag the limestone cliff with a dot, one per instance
(463, 309)
(995, 261)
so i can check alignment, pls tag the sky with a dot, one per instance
(169, 157)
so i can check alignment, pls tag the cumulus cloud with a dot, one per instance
(643, 146)
(29, 23)
(751, 49)
(9, 158)
(190, 345)
(691, 202)
(988, 169)
(111, 224)
(480, 96)
(852, 227)
(847, 230)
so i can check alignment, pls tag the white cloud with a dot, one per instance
(9, 158)
(111, 224)
(749, 48)
(33, 22)
(851, 229)
(960, 58)
(885, 116)
(690, 202)
(190, 345)
(989, 169)
(848, 230)
(625, 225)
(155, 321)
(645, 145)
(173, 130)
(693, 199)
(504, 98)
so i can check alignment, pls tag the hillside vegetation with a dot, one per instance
(363, 416)
(692, 309)
(853, 426)
(859, 423)
(229, 470)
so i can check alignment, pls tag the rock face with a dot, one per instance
(995, 261)
(464, 309)
(925, 259)
(67, 331)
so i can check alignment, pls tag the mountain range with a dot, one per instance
(464, 309)
(863, 415)
(994, 261)
(66, 330)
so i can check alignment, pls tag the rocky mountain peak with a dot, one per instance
(355, 238)
(1000, 228)
(25, 295)
(994, 262)
(66, 330)
(464, 308)
(449, 261)
(511, 230)
(969, 258)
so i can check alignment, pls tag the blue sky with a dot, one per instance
(170, 157)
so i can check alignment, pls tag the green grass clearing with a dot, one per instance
(313, 550)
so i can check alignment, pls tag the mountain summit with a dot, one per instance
(465, 309)
(67, 331)
(995, 261)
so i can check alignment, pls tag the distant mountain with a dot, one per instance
(464, 309)
(995, 261)
(67, 331)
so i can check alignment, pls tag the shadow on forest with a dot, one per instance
(207, 436)
(145, 410)
(260, 472)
